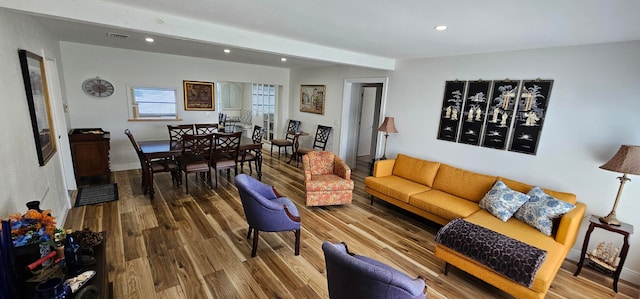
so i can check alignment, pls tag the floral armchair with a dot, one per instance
(327, 179)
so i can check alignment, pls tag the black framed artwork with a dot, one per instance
(500, 113)
(35, 84)
(474, 112)
(451, 110)
(530, 115)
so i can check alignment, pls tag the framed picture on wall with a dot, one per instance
(35, 84)
(312, 98)
(450, 113)
(500, 113)
(530, 114)
(199, 95)
(474, 112)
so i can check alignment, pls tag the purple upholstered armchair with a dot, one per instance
(266, 211)
(355, 276)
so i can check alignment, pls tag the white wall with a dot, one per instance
(593, 109)
(21, 178)
(333, 77)
(124, 68)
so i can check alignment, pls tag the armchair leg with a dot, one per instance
(297, 250)
(371, 197)
(249, 232)
(254, 247)
(446, 268)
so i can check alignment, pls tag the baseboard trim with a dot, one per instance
(125, 166)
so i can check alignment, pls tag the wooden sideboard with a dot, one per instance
(98, 287)
(90, 152)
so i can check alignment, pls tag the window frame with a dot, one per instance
(134, 113)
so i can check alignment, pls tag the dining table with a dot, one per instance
(160, 149)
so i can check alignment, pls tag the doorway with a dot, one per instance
(371, 96)
(361, 104)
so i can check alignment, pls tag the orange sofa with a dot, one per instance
(441, 193)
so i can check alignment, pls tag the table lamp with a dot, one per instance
(387, 127)
(625, 161)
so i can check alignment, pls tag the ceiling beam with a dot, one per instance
(119, 16)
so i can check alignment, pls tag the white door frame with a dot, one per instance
(349, 118)
(57, 112)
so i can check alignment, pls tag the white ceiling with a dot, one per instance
(370, 33)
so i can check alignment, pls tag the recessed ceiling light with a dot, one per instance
(149, 39)
(227, 51)
(283, 59)
(440, 28)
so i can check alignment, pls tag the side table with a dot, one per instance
(624, 229)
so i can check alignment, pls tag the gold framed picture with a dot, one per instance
(312, 98)
(199, 95)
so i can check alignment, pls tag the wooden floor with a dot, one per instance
(194, 245)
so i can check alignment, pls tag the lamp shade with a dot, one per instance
(626, 160)
(388, 126)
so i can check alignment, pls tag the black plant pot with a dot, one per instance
(34, 205)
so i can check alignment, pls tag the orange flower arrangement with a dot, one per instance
(32, 227)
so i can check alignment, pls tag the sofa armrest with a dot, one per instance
(341, 169)
(383, 167)
(570, 225)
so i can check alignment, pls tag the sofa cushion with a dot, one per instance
(517, 229)
(462, 183)
(540, 210)
(502, 202)
(524, 188)
(395, 187)
(328, 182)
(443, 204)
(416, 170)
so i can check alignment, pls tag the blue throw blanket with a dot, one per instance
(514, 259)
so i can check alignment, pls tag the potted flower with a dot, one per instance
(33, 235)
(33, 227)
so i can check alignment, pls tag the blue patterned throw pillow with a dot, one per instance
(541, 209)
(502, 202)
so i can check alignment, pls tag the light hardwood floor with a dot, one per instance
(194, 245)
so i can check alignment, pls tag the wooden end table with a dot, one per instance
(624, 229)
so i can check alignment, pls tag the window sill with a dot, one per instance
(154, 119)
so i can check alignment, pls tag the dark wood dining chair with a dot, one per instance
(202, 129)
(196, 154)
(289, 137)
(222, 119)
(225, 153)
(151, 166)
(252, 155)
(319, 143)
(176, 131)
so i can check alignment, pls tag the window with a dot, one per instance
(263, 100)
(153, 103)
